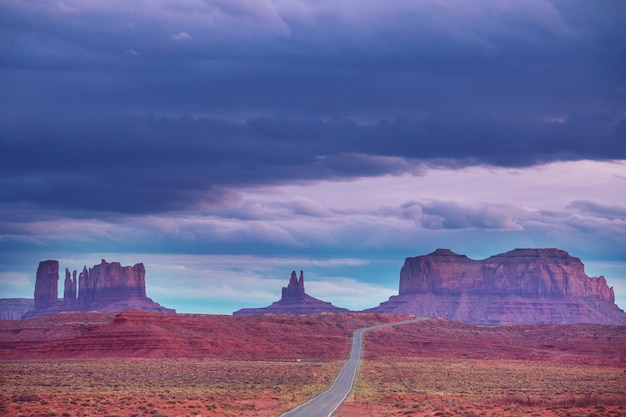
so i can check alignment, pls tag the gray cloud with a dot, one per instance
(600, 209)
(103, 111)
(144, 164)
(454, 215)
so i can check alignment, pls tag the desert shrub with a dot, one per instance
(594, 400)
(26, 398)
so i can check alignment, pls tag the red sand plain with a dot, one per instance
(130, 364)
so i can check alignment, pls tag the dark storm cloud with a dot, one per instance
(164, 107)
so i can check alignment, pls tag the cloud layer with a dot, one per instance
(163, 106)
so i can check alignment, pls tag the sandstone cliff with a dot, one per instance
(111, 282)
(104, 287)
(293, 301)
(47, 284)
(520, 286)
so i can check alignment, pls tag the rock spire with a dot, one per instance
(295, 289)
(47, 284)
(293, 301)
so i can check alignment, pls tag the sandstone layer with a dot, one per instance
(140, 334)
(542, 286)
(47, 284)
(293, 301)
(270, 337)
(104, 287)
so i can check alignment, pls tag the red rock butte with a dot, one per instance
(532, 286)
(293, 301)
(104, 287)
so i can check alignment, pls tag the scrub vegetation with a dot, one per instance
(137, 388)
(491, 388)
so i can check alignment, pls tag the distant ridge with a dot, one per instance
(14, 308)
(293, 301)
(523, 286)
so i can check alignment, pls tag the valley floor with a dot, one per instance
(390, 387)
(149, 365)
(157, 388)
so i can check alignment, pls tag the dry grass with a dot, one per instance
(151, 388)
(435, 368)
(466, 388)
(488, 379)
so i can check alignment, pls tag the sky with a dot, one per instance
(225, 143)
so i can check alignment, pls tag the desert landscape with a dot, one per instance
(564, 356)
(153, 364)
(203, 201)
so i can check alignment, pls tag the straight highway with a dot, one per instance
(326, 403)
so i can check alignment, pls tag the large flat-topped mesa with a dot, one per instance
(520, 286)
(104, 287)
(524, 272)
(293, 301)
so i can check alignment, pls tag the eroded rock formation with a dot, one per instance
(70, 287)
(520, 286)
(110, 282)
(293, 301)
(104, 287)
(47, 284)
(295, 289)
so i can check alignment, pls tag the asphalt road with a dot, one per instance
(326, 403)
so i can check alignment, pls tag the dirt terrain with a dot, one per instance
(146, 364)
(444, 368)
(138, 334)
(586, 344)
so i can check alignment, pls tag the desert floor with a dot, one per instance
(147, 365)
(390, 387)
(135, 387)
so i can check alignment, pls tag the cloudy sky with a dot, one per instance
(225, 143)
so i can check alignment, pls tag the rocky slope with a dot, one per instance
(104, 287)
(589, 344)
(521, 286)
(140, 334)
(293, 301)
